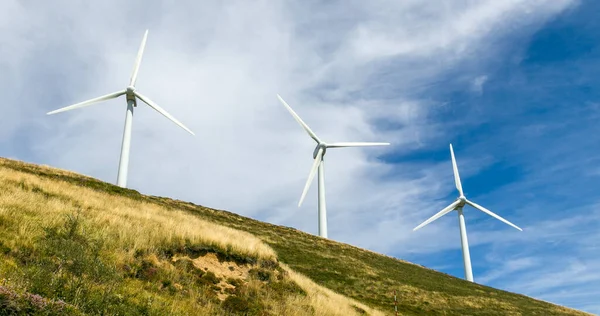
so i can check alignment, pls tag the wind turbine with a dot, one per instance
(131, 94)
(458, 205)
(318, 155)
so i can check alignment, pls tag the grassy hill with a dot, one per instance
(73, 245)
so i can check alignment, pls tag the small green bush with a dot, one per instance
(209, 278)
(235, 282)
(147, 271)
(261, 274)
(268, 264)
(185, 264)
(236, 305)
(4, 249)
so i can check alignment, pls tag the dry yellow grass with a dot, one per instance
(326, 301)
(130, 224)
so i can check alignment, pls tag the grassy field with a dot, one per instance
(71, 245)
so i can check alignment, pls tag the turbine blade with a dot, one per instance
(441, 213)
(88, 102)
(161, 111)
(138, 60)
(490, 213)
(456, 176)
(355, 144)
(311, 175)
(299, 120)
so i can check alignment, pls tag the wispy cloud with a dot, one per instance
(510, 266)
(478, 82)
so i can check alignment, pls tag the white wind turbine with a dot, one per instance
(458, 205)
(318, 155)
(130, 94)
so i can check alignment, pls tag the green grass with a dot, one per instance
(365, 276)
(371, 278)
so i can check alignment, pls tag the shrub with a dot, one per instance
(4, 249)
(234, 282)
(261, 274)
(185, 264)
(268, 264)
(209, 278)
(147, 271)
(236, 305)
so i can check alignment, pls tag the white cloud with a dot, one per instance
(507, 267)
(477, 84)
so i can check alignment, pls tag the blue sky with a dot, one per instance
(512, 85)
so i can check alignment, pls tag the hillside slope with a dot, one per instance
(70, 244)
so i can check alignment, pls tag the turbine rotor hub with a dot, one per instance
(320, 145)
(129, 94)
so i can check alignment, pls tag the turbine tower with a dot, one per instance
(131, 94)
(318, 155)
(458, 205)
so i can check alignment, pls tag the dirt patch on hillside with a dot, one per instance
(228, 275)
(222, 269)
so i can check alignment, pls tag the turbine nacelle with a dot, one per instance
(323, 147)
(460, 203)
(130, 94)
